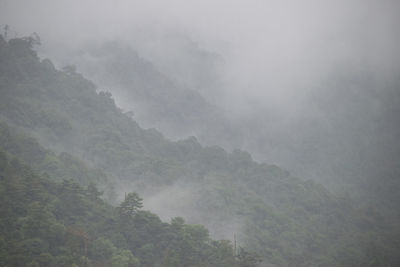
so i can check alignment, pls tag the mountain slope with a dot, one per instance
(286, 220)
(156, 100)
(50, 220)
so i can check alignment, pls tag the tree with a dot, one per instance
(124, 258)
(247, 259)
(130, 205)
(93, 191)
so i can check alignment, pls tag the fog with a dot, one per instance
(312, 86)
(271, 48)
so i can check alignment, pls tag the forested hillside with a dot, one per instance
(155, 99)
(49, 219)
(287, 221)
(343, 134)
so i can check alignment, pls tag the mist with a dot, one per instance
(273, 51)
(272, 73)
(280, 113)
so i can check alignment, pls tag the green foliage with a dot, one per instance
(45, 222)
(59, 227)
(102, 249)
(131, 204)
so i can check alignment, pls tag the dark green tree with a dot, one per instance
(130, 205)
